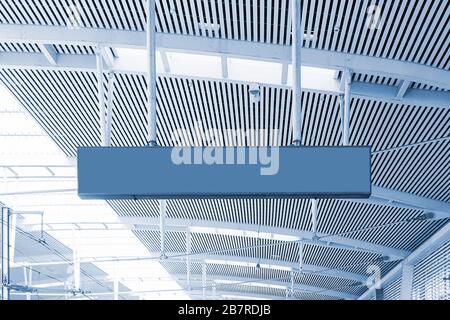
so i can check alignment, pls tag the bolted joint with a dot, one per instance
(98, 49)
(163, 257)
(347, 76)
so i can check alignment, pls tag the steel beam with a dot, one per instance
(407, 281)
(361, 90)
(5, 254)
(403, 88)
(411, 145)
(440, 209)
(243, 281)
(234, 48)
(49, 53)
(213, 259)
(250, 230)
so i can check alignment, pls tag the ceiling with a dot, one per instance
(408, 132)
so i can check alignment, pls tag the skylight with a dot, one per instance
(244, 233)
(64, 212)
(210, 66)
(251, 284)
(254, 71)
(194, 65)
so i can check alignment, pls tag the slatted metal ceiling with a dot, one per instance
(19, 47)
(413, 30)
(404, 124)
(71, 119)
(221, 271)
(349, 260)
(68, 110)
(334, 217)
(65, 105)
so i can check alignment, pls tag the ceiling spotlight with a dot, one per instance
(255, 93)
(426, 216)
(336, 29)
(382, 259)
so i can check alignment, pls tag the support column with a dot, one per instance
(204, 280)
(345, 108)
(296, 73)
(214, 293)
(407, 281)
(5, 219)
(300, 257)
(116, 289)
(188, 259)
(292, 285)
(76, 263)
(109, 110)
(101, 96)
(12, 236)
(151, 73)
(28, 279)
(224, 64)
(162, 227)
(116, 280)
(314, 217)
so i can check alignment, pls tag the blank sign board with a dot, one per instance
(164, 173)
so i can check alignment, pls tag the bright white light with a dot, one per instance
(275, 267)
(250, 284)
(230, 263)
(241, 297)
(313, 76)
(279, 237)
(63, 211)
(243, 233)
(137, 58)
(194, 65)
(247, 264)
(264, 285)
(254, 71)
(210, 66)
